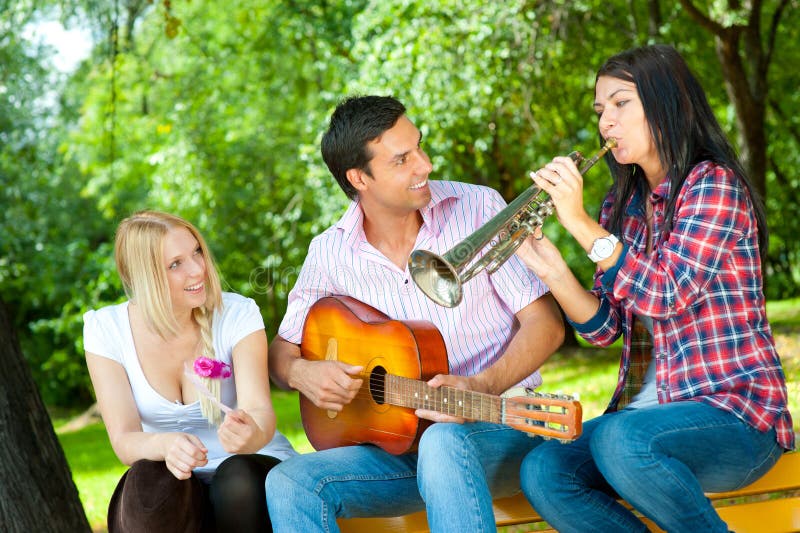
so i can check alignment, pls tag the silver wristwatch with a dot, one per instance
(603, 248)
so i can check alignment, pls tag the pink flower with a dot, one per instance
(211, 368)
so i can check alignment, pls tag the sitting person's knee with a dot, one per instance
(241, 475)
(150, 498)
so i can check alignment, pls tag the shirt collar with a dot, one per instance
(352, 221)
(660, 194)
(439, 196)
(352, 224)
(662, 191)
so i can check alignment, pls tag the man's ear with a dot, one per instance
(357, 178)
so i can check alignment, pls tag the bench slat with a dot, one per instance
(411, 523)
(769, 516)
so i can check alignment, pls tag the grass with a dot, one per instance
(589, 372)
(95, 469)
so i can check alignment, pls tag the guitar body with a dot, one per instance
(344, 329)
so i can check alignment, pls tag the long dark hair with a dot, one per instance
(684, 130)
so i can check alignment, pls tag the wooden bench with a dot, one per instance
(770, 505)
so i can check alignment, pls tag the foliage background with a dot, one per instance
(214, 110)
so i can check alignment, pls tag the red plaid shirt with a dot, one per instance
(702, 286)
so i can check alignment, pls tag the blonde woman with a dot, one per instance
(164, 364)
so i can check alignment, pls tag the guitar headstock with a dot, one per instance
(555, 416)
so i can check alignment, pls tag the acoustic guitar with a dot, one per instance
(398, 357)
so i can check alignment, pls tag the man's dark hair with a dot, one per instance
(356, 121)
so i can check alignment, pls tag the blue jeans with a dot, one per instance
(660, 459)
(457, 470)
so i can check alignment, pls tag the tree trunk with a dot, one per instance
(745, 52)
(37, 492)
(749, 98)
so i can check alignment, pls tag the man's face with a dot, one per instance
(397, 177)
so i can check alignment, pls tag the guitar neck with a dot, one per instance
(416, 394)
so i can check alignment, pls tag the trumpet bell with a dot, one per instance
(435, 277)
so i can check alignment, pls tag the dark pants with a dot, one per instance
(149, 498)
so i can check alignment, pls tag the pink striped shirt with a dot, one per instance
(341, 261)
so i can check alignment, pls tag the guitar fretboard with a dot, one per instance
(416, 394)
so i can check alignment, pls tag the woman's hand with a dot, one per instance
(239, 433)
(183, 453)
(561, 179)
(543, 258)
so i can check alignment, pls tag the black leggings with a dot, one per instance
(237, 493)
(149, 498)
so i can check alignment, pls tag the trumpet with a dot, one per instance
(441, 277)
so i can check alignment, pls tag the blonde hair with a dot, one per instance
(139, 255)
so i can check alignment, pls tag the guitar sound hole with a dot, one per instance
(377, 384)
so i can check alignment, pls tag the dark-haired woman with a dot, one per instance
(700, 404)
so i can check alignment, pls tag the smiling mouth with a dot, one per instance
(193, 288)
(419, 185)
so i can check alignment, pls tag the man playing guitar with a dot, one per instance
(505, 328)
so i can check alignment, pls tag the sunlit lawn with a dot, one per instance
(588, 372)
(95, 469)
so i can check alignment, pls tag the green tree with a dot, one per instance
(214, 111)
(502, 87)
(752, 40)
(37, 493)
(211, 111)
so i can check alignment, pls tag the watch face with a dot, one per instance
(603, 247)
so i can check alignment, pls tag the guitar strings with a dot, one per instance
(549, 417)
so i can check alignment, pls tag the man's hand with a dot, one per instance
(328, 384)
(456, 382)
